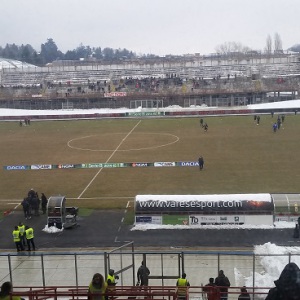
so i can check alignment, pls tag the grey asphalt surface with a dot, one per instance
(105, 229)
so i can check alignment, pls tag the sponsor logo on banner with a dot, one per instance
(111, 165)
(139, 114)
(66, 166)
(143, 219)
(149, 219)
(139, 164)
(41, 167)
(189, 164)
(196, 220)
(115, 94)
(15, 167)
(164, 164)
(209, 219)
(94, 165)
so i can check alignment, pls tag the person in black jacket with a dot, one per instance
(223, 283)
(288, 284)
(44, 203)
(143, 274)
(201, 162)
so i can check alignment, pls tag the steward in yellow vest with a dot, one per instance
(182, 286)
(111, 282)
(21, 228)
(29, 237)
(17, 239)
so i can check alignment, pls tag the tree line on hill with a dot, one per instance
(49, 52)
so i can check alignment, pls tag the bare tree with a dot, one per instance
(229, 47)
(277, 43)
(269, 46)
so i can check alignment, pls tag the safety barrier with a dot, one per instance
(130, 292)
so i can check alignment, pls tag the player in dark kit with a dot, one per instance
(201, 162)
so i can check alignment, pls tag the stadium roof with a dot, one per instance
(13, 64)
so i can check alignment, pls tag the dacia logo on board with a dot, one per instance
(189, 164)
(15, 168)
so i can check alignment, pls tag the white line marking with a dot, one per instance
(123, 140)
(175, 137)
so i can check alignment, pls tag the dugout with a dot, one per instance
(286, 207)
(250, 209)
(56, 211)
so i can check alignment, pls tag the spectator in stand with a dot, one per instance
(97, 288)
(212, 292)
(244, 294)
(6, 290)
(288, 284)
(223, 283)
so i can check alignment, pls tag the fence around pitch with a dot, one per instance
(77, 269)
(129, 292)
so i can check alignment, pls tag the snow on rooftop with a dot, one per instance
(212, 198)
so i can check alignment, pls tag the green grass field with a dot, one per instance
(240, 157)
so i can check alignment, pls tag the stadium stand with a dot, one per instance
(248, 78)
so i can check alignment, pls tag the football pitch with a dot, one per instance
(239, 157)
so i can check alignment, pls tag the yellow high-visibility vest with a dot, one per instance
(21, 229)
(16, 235)
(29, 233)
(182, 284)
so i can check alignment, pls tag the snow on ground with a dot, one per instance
(280, 104)
(22, 112)
(272, 264)
(145, 227)
(51, 229)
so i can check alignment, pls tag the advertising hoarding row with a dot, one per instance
(191, 220)
(102, 165)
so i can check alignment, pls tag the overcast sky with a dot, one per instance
(149, 26)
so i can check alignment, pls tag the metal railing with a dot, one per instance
(130, 292)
